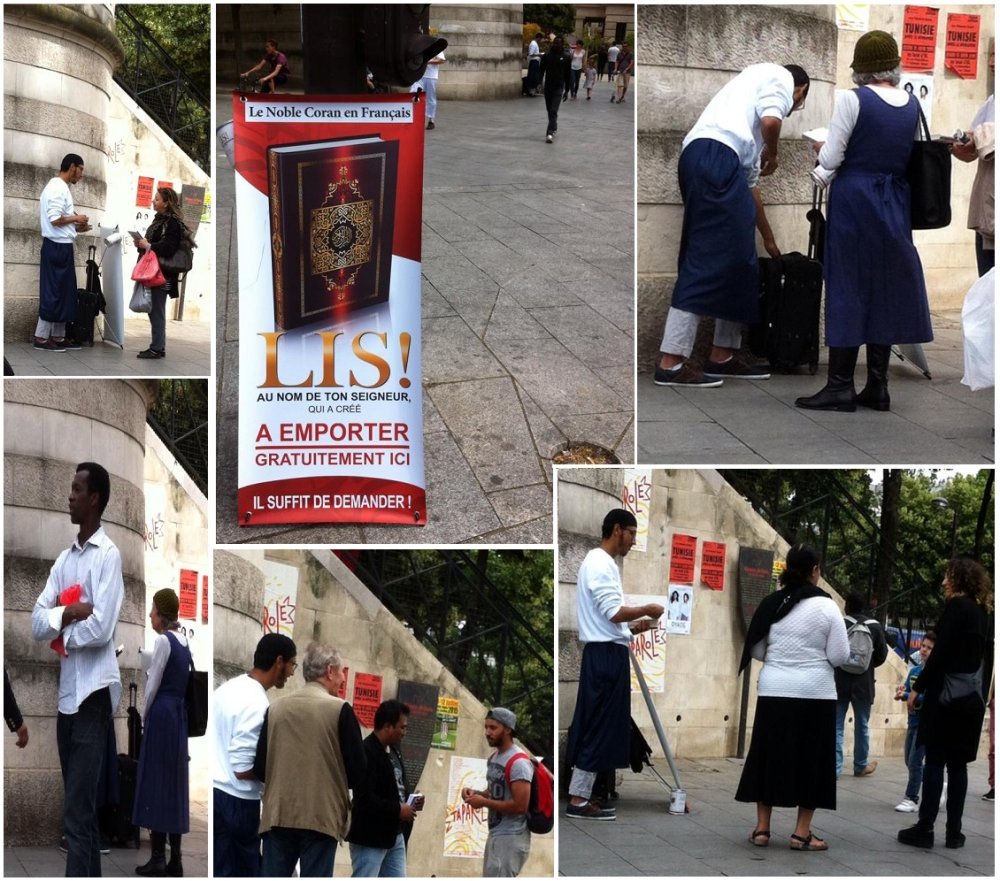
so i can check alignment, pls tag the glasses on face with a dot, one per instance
(291, 666)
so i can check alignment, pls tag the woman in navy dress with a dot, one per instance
(161, 792)
(875, 291)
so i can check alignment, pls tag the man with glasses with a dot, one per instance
(599, 733)
(238, 708)
(310, 755)
(732, 145)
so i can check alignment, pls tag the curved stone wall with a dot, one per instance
(58, 62)
(484, 51)
(237, 601)
(49, 427)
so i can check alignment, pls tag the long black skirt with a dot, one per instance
(793, 754)
(600, 733)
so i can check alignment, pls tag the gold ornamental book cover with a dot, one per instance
(332, 206)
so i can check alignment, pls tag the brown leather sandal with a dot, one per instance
(760, 833)
(810, 842)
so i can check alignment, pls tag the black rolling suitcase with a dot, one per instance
(89, 301)
(791, 287)
(116, 819)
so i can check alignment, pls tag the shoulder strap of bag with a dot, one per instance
(922, 127)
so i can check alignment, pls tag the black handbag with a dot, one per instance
(958, 686)
(180, 261)
(929, 175)
(196, 701)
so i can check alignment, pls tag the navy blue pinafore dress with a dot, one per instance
(875, 291)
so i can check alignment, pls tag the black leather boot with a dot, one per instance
(875, 394)
(838, 393)
(156, 867)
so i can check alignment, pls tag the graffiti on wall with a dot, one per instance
(154, 532)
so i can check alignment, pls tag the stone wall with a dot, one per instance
(137, 146)
(49, 427)
(332, 606)
(700, 704)
(175, 531)
(58, 61)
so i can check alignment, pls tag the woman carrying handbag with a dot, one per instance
(169, 238)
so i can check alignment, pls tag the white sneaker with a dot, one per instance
(907, 806)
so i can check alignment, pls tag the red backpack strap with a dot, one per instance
(510, 764)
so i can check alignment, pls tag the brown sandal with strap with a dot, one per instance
(810, 842)
(760, 833)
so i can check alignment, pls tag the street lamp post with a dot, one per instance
(943, 504)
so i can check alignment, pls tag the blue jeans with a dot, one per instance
(379, 862)
(862, 713)
(313, 851)
(914, 756)
(81, 738)
(236, 853)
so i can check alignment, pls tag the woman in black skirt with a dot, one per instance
(951, 718)
(799, 634)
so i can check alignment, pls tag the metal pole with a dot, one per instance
(655, 717)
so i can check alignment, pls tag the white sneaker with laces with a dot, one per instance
(907, 806)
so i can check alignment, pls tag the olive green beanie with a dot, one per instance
(875, 52)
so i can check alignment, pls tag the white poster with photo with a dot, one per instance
(465, 828)
(922, 86)
(637, 492)
(680, 609)
(649, 648)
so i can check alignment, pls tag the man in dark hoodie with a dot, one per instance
(556, 69)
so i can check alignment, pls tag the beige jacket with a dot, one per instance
(982, 199)
(306, 786)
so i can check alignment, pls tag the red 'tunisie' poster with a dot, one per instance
(329, 193)
(367, 697)
(961, 48)
(919, 37)
(682, 553)
(713, 564)
(144, 192)
(188, 594)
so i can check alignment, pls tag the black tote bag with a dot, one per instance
(196, 701)
(929, 176)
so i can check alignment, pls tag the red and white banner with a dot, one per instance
(329, 204)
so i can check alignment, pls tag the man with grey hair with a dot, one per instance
(309, 755)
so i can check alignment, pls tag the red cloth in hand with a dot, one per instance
(69, 596)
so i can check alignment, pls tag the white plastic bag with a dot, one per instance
(977, 329)
(142, 298)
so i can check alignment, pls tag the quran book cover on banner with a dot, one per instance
(332, 206)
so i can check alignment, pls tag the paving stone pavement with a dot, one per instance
(937, 421)
(712, 838)
(49, 862)
(528, 305)
(189, 346)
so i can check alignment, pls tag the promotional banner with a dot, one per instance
(649, 648)
(636, 495)
(682, 551)
(961, 48)
(713, 564)
(367, 697)
(919, 38)
(329, 195)
(680, 609)
(422, 699)
(446, 731)
(465, 828)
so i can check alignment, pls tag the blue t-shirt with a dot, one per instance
(913, 716)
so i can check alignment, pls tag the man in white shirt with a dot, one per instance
(429, 84)
(57, 270)
(732, 145)
(531, 82)
(599, 733)
(613, 53)
(238, 708)
(89, 681)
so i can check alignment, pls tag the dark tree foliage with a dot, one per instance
(180, 417)
(887, 541)
(555, 18)
(487, 615)
(184, 30)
